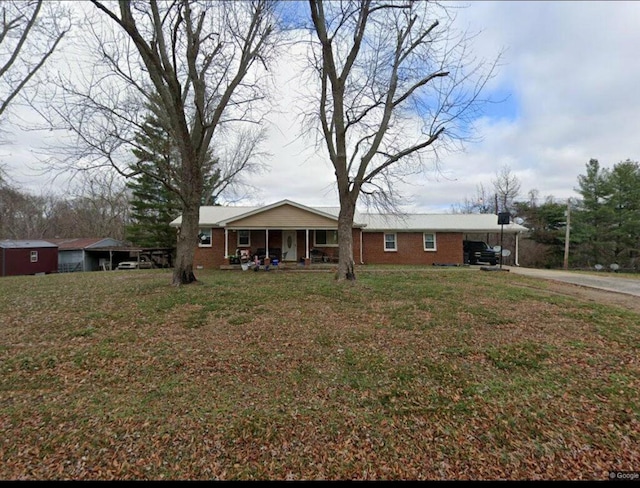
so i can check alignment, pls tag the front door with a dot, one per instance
(289, 245)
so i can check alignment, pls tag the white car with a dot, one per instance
(135, 265)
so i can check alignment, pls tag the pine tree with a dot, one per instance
(153, 203)
(546, 223)
(155, 200)
(593, 219)
(624, 206)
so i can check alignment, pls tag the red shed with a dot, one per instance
(27, 257)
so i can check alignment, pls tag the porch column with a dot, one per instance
(306, 243)
(226, 242)
(266, 242)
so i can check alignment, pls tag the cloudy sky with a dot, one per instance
(570, 78)
(570, 75)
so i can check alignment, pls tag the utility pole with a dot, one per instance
(566, 235)
(503, 218)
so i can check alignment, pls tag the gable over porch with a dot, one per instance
(286, 231)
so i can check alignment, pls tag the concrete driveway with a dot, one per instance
(607, 281)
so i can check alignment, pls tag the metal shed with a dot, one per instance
(103, 254)
(27, 257)
(88, 254)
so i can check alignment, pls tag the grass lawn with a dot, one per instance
(433, 373)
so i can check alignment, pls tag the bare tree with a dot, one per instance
(12, 203)
(99, 206)
(483, 202)
(395, 83)
(30, 31)
(507, 188)
(237, 167)
(23, 215)
(201, 62)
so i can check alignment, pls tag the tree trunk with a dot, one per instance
(186, 245)
(346, 265)
(191, 184)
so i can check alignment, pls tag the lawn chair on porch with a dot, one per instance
(318, 256)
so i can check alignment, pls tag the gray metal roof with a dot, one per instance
(212, 216)
(316, 210)
(22, 244)
(217, 216)
(436, 222)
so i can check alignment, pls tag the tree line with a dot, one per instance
(98, 207)
(602, 225)
(604, 222)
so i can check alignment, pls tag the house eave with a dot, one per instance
(445, 229)
(229, 222)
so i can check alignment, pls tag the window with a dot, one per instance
(326, 237)
(429, 241)
(204, 238)
(34, 256)
(390, 242)
(244, 238)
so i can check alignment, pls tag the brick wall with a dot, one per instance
(410, 249)
(356, 245)
(212, 257)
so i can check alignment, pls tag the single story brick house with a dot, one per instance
(292, 232)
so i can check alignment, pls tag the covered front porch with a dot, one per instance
(274, 246)
(285, 232)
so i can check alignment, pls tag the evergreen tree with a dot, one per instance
(153, 202)
(593, 219)
(624, 206)
(547, 225)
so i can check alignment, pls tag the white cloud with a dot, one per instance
(572, 71)
(571, 67)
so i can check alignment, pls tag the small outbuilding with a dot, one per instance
(89, 254)
(27, 257)
(106, 253)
